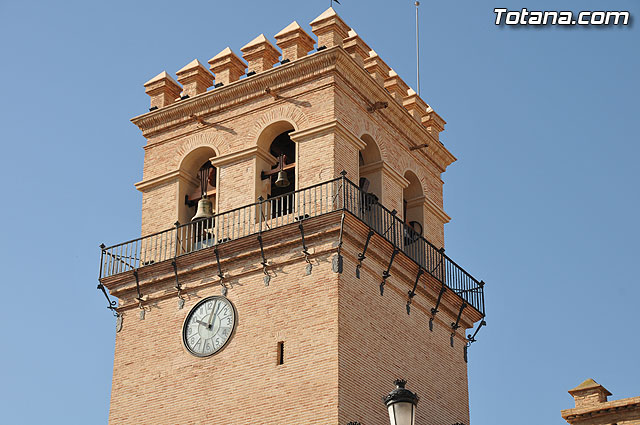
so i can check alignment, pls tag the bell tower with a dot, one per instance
(291, 264)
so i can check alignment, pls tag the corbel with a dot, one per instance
(386, 274)
(412, 293)
(456, 325)
(361, 256)
(434, 310)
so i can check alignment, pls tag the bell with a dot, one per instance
(205, 209)
(282, 180)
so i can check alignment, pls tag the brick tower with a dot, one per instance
(317, 274)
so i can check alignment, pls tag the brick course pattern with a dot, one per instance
(344, 343)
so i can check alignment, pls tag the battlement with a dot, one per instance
(293, 44)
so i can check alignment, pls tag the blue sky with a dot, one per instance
(544, 195)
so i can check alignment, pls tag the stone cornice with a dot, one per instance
(371, 168)
(315, 65)
(145, 185)
(436, 210)
(387, 170)
(252, 152)
(625, 404)
(331, 127)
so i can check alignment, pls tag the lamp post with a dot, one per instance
(401, 404)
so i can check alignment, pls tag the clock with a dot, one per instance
(209, 326)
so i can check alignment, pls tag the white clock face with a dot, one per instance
(209, 326)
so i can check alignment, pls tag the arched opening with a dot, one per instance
(370, 168)
(412, 215)
(370, 171)
(278, 179)
(199, 180)
(412, 205)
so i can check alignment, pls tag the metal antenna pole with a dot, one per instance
(417, 49)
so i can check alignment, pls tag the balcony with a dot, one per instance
(339, 194)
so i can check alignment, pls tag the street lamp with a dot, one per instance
(401, 404)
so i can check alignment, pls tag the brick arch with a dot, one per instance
(288, 113)
(208, 140)
(409, 164)
(371, 130)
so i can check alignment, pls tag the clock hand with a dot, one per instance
(202, 323)
(214, 312)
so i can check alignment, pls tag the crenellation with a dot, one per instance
(356, 47)
(260, 54)
(415, 105)
(396, 87)
(195, 78)
(227, 67)
(330, 29)
(433, 122)
(162, 89)
(377, 68)
(294, 42)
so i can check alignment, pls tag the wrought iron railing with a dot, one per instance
(335, 195)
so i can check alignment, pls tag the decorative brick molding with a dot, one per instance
(286, 112)
(334, 127)
(146, 185)
(252, 152)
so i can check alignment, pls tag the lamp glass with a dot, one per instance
(402, 413)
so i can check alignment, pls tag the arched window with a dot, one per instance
(199, 179)
(412, 215)
(370, 171)
(279, 178)
(370, 168)
(412, 203)
(206, 189)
